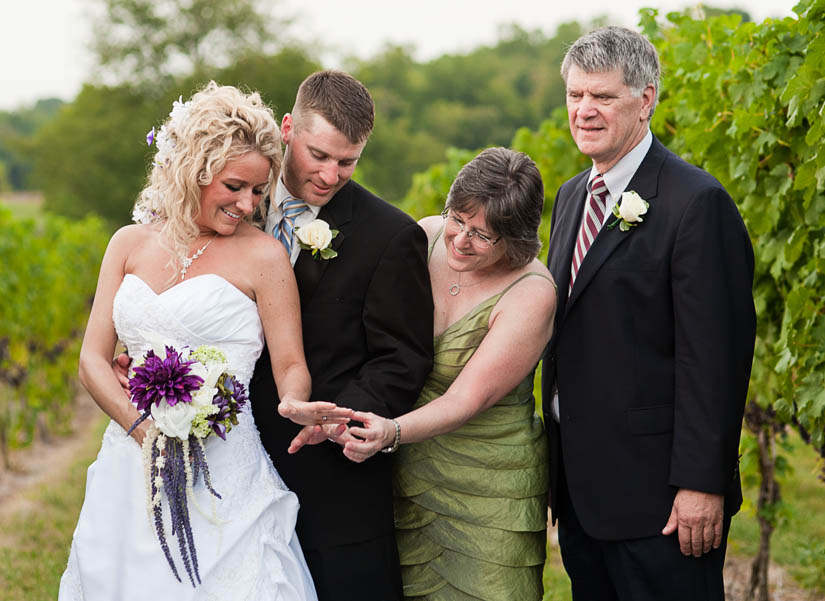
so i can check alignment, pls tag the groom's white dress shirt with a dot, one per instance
(276, 214)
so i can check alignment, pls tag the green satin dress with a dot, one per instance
(471, 505)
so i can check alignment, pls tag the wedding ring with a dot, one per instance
(324, 418)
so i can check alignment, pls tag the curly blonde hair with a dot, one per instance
(218, 125)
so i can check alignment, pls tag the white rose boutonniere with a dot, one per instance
(317, 237)
(628, 211)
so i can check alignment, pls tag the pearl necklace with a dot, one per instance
(187, 261)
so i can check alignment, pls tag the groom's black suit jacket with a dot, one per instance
(367, 318)
(652, 351)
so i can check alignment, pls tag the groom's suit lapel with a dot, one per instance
(308, 271)
(646, 183)
(568, 229)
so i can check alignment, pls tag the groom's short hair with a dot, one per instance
(612, 47)
(340, 99)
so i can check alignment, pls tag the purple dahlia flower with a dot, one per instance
(158, 379)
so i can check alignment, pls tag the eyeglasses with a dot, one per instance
(456, 225)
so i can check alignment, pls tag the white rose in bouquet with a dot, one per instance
(175, 420)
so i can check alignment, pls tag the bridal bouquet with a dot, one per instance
(190, 395)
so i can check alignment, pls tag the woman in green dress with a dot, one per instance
(471, 476)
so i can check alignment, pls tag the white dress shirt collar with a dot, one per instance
(275, 214)
(618, 177)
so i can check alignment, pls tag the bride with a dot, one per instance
(195, 272)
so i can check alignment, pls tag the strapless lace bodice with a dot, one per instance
(206, 309)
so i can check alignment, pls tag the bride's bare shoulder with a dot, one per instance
(256, 246)
(132, 236)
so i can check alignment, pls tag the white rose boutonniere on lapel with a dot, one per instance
(628, 211)
(317, 237)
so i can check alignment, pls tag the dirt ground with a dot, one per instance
(781, 585)
(42, 461)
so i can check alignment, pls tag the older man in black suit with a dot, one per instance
(367, 318)
(645, 379)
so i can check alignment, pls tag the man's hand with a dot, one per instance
(120, 365)
(698, 518)
(318, 434)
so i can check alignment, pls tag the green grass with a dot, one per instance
(798, 541)
(556, 582)
(35, 545)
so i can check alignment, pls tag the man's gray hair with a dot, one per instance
(611, 48)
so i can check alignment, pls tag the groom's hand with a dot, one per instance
(317, 435)
(120, 365)
(698, 518)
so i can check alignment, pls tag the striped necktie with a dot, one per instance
(291, 208)
(594, 212)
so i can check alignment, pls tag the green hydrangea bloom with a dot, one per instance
(208, 355)
(201, 427)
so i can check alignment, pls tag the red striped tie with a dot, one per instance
(591, 224)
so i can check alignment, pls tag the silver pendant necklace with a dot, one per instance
(187, 261)
(456, 288)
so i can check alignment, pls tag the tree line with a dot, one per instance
(88, 156)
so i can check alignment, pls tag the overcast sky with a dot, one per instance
(43, 42)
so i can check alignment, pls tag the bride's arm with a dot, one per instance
(95, 363)
(276, 293)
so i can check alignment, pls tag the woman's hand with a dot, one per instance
(377, 433)
(139, 432)
(311, 413)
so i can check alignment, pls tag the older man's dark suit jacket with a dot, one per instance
(368, 331)
(652, 351)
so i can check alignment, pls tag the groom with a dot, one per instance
(367, 321)
(645, 379)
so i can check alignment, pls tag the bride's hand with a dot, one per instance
(376, 433)
(311, 413)
(139, 433)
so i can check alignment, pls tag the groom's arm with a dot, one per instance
(398, 325)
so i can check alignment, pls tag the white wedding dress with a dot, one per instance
(252, 554)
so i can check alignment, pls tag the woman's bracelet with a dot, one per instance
(397, 441)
